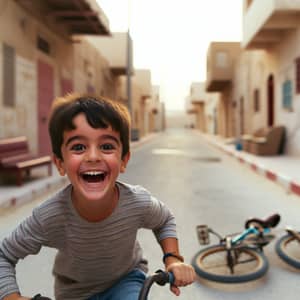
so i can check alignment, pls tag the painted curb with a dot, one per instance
(283, 180)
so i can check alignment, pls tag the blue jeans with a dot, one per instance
(127, 288)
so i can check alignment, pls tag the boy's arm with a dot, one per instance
(26, 239)
(184, 274)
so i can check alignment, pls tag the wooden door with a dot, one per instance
(45, 98)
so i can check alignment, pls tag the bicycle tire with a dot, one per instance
(288, 249)
(205, 260)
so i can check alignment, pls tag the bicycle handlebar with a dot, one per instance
(40, 297)
(160, 277)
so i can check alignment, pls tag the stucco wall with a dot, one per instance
(288, 51)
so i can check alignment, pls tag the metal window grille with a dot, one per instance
(287, 94)
(43, 45)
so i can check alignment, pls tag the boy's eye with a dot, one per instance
(107, 147)
(78, 147)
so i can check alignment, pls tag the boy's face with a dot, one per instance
(92, 160)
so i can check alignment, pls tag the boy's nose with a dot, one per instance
(93, 154)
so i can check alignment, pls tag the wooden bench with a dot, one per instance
(16, 158)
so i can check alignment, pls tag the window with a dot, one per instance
(8, 75)
(256, 102)
(297, 83)
(43, 45)
(287, 94)
(221, 59)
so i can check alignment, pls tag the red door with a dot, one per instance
(66, 86)
(45, 98)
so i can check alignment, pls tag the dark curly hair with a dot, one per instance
(100, 112)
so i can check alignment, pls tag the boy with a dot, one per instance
(93, 222)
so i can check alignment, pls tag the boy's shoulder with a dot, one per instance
(133, 190)
(56, 204)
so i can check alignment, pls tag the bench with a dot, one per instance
(16, 158)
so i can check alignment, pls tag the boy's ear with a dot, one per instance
(124, 162)
(59, 165)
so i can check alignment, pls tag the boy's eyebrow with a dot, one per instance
(79, 137)
(72, 138)
(109, 136)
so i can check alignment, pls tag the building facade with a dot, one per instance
(46, 51)
(261, 89)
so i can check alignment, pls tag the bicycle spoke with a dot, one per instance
(217, 263)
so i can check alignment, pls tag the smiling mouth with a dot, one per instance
(93, 176)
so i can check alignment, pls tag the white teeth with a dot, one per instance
(93, 173)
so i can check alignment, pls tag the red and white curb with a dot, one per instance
(286, 182)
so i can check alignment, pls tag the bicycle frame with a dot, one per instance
(233, 240)
(237, 257)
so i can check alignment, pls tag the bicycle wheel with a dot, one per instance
(211, 263)
(288, 249)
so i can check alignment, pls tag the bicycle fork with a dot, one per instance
(231, 255)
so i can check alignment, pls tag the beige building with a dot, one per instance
(221, 63)
(158, 117)
(203, 106)
(260, 87)
(37, 62)
(47, 53)
(273, 27)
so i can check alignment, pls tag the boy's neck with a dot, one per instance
(97, 211)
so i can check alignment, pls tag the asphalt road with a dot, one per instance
(201, 185)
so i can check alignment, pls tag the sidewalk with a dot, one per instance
(283, 169)
(40, 184)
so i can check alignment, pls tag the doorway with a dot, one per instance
(270, 100)
(45, 98)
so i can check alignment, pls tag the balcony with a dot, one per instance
(75, 17)
(220, 65)
(267, 22)
(115, 49)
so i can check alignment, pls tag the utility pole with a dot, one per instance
(129, 72)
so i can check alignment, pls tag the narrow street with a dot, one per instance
(201, 185)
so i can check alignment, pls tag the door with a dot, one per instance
(242, 116)
(66, 86)
(270, 89)
(45, 98)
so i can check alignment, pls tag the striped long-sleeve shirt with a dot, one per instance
(91, 257)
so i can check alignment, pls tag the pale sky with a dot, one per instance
(171, 37)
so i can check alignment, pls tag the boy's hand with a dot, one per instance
(184, 275)
(15, 296)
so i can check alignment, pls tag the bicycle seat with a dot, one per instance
(270, 221)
